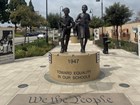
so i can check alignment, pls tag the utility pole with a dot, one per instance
(61, 8)
(46, 20)
(101, 12)
(91, 11)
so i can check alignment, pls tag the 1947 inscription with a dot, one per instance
(73, 61)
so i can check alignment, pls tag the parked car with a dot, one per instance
(41, 36)
(33, 34)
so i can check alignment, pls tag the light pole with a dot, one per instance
(61, 8)
(46, 20)
(102, 14)
(101, 11)
(91, 11)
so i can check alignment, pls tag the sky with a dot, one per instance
(54, 6)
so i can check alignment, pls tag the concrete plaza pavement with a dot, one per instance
(117, 67)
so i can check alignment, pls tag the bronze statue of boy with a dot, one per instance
(82, 22)
(66, 23)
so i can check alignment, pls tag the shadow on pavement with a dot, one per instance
(105, 72)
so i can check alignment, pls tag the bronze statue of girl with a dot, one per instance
(82, 22)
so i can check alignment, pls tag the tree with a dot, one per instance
(13, 4)
(53, 20)
(96, 22)
(15, 16)
(4, 13)
(27, 18)
(32, 19)
(24, 16)
(31, 6)
(22, 2)
(41, 21)
(117, 15)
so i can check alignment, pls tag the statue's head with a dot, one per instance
(84, 8)
(66, 10)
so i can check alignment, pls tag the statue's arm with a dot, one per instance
(78, 20)
(61, 23)
(88, 19)
(72, 23)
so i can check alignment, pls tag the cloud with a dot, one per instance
(75, 5)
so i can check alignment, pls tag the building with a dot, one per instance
(127, 33)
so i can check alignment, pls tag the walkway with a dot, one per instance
(117, 67)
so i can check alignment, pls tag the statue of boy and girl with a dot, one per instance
(82, 26)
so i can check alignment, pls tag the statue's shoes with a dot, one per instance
(82, 51)
(62, 51)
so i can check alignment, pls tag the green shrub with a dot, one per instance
(128, 46)
(91, 37)
(35, 51)
(36, 48)
(99, 43)
(20, 54)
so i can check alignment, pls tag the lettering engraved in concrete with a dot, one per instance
(73, 75)
(73, 61)
(71, 99)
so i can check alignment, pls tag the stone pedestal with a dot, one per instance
(74, 39)
(73, 67)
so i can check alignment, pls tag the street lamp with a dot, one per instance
(101, 11)
(46, 20)
(91, 11)
(61, 8)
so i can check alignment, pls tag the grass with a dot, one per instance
(19, 34)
